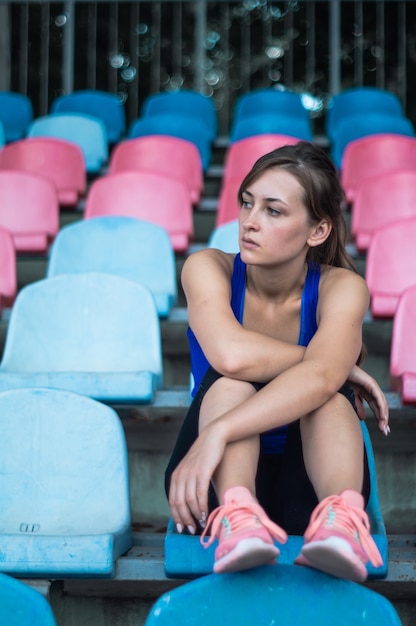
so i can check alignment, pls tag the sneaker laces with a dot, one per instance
(239, 518)
(348, 519)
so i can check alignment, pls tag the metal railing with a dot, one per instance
(218, 48)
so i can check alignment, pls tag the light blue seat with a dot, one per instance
(271, 123)
(16, 113)
(136, 249)
(282, 595)
(64, 490)
(187, 103)
(186, 558)
(102, 104)
(357, 126)
(95, 334)
(85, 130)
(20, 605)
(225, 237)
(359, 101)
(175, 124)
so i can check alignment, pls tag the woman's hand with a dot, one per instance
(366, 388)
(188, 493)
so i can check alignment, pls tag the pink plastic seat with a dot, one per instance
(8, 272)
(403, 347)
(391, 265)
(228, 208)
(382, 200)
(241, 155)
(148, 196)
(163, 154)
(29, 208)
(373, 155)
(60, 160)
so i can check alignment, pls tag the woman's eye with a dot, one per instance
(245, 204)
(273, 211)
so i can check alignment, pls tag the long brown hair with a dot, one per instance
(323, 195)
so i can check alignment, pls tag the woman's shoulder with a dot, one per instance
(208, 261)
(342, 282)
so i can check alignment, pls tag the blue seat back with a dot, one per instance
(85, 130)
(269, 100)
(105, 105)
(225, 237)
(64, 491)
(126, 246)
(20, 605)
(267, 123)
(16, 114)
(286, 595)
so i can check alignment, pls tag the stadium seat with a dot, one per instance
(126, 246)
(188, 103)
(271, 123)
(403, 347)
(391, 265)
(366, 125)
(2, 136)
(8, 269)
(95, 334)
(16, 113)
(64, 492)
(58, 159)
(375, 155)
(268, 100)
(359, 101)
(186, 558)
(381, 200)
(228, 208)
(225, 237)
(88, 132)
(241, 155)
(148, 196)
(163, 154)
(29, 209)
(176, 124)
(286, 595)
(20, 605)
(102, 104)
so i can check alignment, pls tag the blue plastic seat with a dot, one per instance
(284, 595)
(186, 558)
(176, 124)
(187, 103)
(95, 334)
(268, 100)
(2, 136)
(16, 113)
(272, 123)
(365, 125)
(64, 491)
(225, 237)
(85, 130)
(102, 104)
(20, 605)
(126, 246)
(359, 101)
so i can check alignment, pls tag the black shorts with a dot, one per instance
(283, 487)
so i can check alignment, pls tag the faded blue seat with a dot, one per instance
(360, 101)
(357, 126)
(20, 605)
(102, 104)
(176, 124)
(225, 237)
(186, 558)
(271, 123)
(284, 595)
(16, 113)
(126, 246)
(95, 334)
(85, 130)
(187, 103)
(64, 489)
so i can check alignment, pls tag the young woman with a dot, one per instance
(272, 439)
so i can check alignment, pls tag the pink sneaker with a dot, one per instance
(338, 539)
(244, 531)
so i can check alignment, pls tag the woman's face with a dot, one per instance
(274, 222)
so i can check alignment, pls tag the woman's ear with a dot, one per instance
(319, 233)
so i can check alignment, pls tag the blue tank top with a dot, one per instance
(273, 441)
